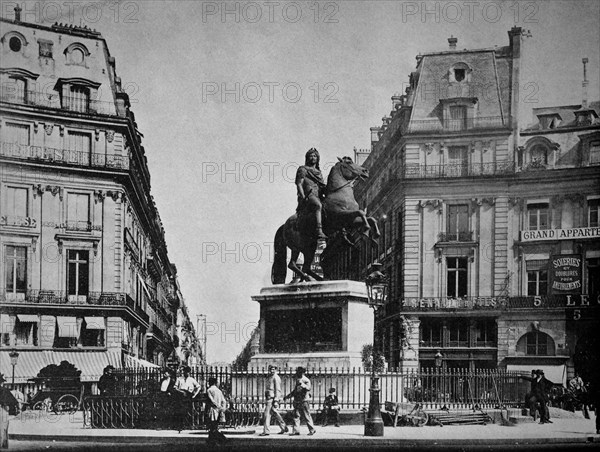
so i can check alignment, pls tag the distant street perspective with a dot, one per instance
(210, 238)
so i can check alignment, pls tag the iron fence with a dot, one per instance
(418, 171)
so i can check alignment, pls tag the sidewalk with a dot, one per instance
(31, 426)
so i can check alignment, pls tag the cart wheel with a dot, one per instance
(420, 418)
(40, 406)
(67, 403)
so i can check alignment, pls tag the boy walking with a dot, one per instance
(301, 395)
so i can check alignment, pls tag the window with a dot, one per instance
(16, 204)
(457, 277)
(78, 212)
(26, 330)
(16, 133)
(539, 344)
(77, 274)
(92, 332)
(78, 99)
(458, 333)
(537, 282)
(45, 48)
(458, 117)
(593, 212)
(15, 44)
(16, 269)
(538, 215)
(539, 155)
(485, 333)
(459, 74)
(431, 333)
(76, 56)
(458, 161)
(16, 90)
(595, 153)
(457, 227)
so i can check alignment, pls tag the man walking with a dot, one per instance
(301, 395)
(273, 395)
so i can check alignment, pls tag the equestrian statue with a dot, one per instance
(324, 210)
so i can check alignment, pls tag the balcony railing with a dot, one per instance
(61, 297)
(63, 156)
(462, 236)
(418, 171)
(55, 100)
(437, 125)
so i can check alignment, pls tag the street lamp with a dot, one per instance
(14, 358)
(377, 285)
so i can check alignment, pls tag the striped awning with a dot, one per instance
(67, 327)
(29, 364)
(28, 318)
(95, 323)
(131, 361)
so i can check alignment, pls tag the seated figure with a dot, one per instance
(331, 407)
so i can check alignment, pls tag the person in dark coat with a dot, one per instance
(7, 403)
(540, 387)
(107, 385)
(331, 406)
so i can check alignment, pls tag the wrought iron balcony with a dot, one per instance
(418, 171)
(61, 297)
(63, 156)
(462, 236)
(59, 102)
(437, 125)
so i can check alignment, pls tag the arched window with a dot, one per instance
(536, 343)
(539, 154)
(459, 72)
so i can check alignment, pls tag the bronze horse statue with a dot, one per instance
(341, 213)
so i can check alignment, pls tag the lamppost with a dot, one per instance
(14, 358)
(377, 285)
(439, 360)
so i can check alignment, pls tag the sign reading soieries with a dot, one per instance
(565, 273)
(560, 234)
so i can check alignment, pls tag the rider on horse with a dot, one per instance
(311, 188)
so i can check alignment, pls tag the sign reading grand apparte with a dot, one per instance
(560, 234)
(565, 273)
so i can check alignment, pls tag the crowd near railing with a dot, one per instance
(137, 403)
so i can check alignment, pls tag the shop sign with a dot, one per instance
(566, 273)
(560, 234)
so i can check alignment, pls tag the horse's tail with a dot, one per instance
(279, 269)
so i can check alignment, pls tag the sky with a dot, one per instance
(230, 95)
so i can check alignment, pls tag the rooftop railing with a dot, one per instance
(437, 125)
(418, 171)
(63, 156)
(78, 104)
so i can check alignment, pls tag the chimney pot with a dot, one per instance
(18, 10)
(452, 41)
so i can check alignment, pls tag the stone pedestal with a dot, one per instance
(313, 324)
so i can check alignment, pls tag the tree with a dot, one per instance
(243, 359)
(367, 359)
(65, 375)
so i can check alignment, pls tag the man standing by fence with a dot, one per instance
(7, 401)
(301, 395)
(273, 395)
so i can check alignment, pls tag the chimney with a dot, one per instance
(452, 41)
(18, 10)
(584, 85)
(396, 101)
(374, 135)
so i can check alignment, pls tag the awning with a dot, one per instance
(95, 323)
(29, 318)
(29, 364)
(67, 327)
(131, 361)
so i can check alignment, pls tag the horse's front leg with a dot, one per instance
(299, 275)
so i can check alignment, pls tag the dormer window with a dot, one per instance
(76, 94)
(45, 48)
(539, 154)
(15, 41)
(460, 72)
(77, 54)
(549, 121)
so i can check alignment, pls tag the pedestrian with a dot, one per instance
(331, 407)
(579, 391)
(167, 384)
(187, 385)
(301, 396)
(7, 403)
(215, 411)
(540, 386)
(107, 384)
(273, 396)
(168, 398)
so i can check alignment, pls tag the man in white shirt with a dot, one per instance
(273, 395)
(301, 396)
(216, 405)
(187, 385)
